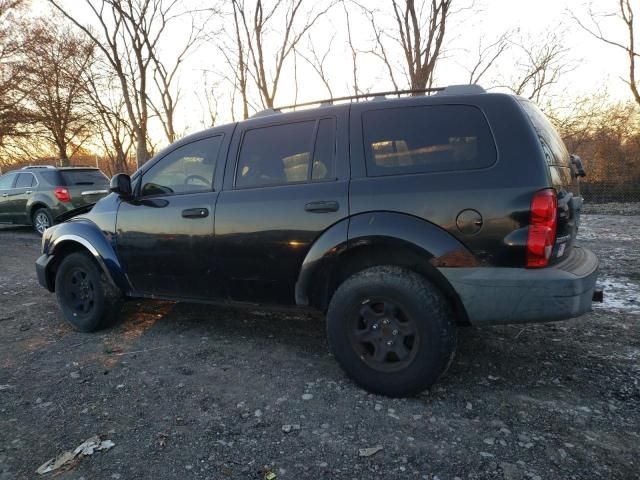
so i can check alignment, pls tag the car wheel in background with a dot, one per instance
(41, 220)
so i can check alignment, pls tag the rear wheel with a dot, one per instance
(391, 330)
(41, 220)
(88, 300)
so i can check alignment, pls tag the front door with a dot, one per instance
(6, 187)
(285, 185)
(165, 233)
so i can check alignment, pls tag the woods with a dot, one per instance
(111, 82)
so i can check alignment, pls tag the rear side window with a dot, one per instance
(427, 139)
(290, 153)
(25, 180)
(83, 177)
(554, 149)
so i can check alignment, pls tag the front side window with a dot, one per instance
(25, 180)
(187, 169)
(291, 153)
(6, 181)
(427, 139)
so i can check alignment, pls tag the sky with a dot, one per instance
(592, 65)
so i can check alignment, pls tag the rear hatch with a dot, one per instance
(85, 185)
(563, 179)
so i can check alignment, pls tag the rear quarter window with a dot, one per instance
(553, 147)
(83, 177)
(426, 139)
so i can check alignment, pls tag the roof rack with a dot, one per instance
(34, 167)
(375, 96)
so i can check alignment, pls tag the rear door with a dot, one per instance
(6, 185)
(165, 233)
(563, 178)
(286, 182)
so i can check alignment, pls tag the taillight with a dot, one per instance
(542, 228)
(62, 194)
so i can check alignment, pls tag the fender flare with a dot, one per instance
(86, 233)
(438, 247)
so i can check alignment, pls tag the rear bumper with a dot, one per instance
(42, 264)
(494, 296)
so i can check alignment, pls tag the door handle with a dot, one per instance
(28, 192)
(5, 194)
(322, 207)
(195, 213)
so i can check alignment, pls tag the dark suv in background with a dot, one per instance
(399, 218)
(38, 195)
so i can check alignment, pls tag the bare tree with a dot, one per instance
(541, 66)
(254, 25)
(419, 28)
(54, 63)
(354, 51)
(11, 75)
(165, 77)
(317, 62)
(486, 57)
(129, 34)
(625, 14)
(112, 130)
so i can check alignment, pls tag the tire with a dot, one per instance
(88, 301)
(41, 220)
(409, 312)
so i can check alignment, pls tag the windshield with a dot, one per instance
(554, 149)
(83, 177)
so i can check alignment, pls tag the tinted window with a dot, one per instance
(83, 177)
(188, 169)
(427, 139)
(6, 181)
(25, 180)
(324, 151)
(281, 154)
(52, 178)
(554, 149)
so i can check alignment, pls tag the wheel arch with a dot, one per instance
(381, 238)
(34, 207)
(84, 236)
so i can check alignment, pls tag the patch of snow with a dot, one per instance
(620, 294)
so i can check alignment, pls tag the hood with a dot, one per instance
(74, 213)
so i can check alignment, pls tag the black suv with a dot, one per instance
(38, 195)
(399, 218)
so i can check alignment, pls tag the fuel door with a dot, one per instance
(469, 222)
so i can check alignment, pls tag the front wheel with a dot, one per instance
(391, 330)
(88, 300)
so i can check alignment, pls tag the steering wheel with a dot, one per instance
(199, 178)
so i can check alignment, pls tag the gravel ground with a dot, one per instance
(204, 392)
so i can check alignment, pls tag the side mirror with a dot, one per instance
(121, 184)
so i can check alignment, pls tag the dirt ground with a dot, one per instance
(200, 392)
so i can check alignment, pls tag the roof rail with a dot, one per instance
(469, 89)
(33, 167)
(449, 90)
(377, 95)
